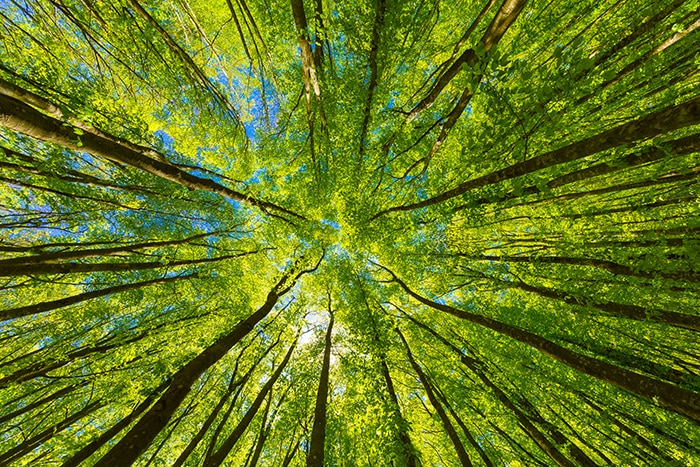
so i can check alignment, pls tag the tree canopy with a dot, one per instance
(375, 233)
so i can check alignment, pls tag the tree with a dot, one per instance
(371, 234)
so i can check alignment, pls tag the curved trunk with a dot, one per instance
(22, 118)
(506, 15)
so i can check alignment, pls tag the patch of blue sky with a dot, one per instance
(403, 67)
(236, 205)
(330, 223)
(9, 5)
(221, 77)
(259, 175)
(263, 113)
(250, 128)
(468, 111)
(84, 159)
(166, 140)
(44, 342)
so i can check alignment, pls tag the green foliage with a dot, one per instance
(219, 91)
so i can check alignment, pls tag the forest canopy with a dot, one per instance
(365, 233)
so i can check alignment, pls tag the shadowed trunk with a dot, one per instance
(318, 432)
(662, 393)
(657, 123)
(220, 455)
(63, 302)
(475, 366)
(30, 444)
(22, 118)
(105, 437)
(427, 386)
(139, 438)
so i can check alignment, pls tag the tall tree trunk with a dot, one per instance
(669, 178)
(467, 434)
(618, 415)
(72, 268)
(373, 74)
(635, 312)
(139, 438)
(220, 455)
(318, 432)
(38, 403)
(506, 15)
(686, 145)
(22, 118)
(63, 302)
(232, 386)
(609, 266)
(29, 444)
(262, 435)
(664, 394)
(70, 254)
(475, 366)
(427, 386)
(105, 437)
(290, 455)
(660, 122)
(408, 451)
(308, 65)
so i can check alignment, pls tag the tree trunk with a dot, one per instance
(635, 312)
(139, 438)
(506, 15)
(318, 432)
(657, 123)
(456, 442)
(55, 256)
(658, 392)
(290, 455)
(610, 266)
(56, 395)
(686, 145)
(475, 366)
(22, 118)
(192, 445)
(108, 435)
(262, 435)
(64, 302)
(73, 268)
(220, 455)
(373, 74)
(31, 443)
(465, 430)
(407, 448)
